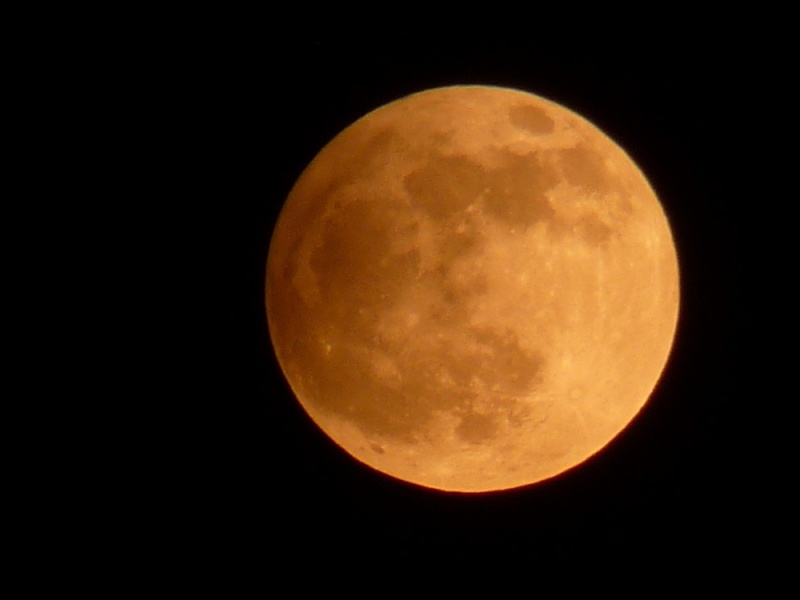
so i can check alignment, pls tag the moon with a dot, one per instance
(472, 288)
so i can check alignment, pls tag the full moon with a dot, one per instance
(472, 288)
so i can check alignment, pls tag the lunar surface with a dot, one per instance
(472, 289)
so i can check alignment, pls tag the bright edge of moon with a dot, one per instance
(472, 289)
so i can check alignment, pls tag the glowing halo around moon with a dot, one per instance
(472, 288)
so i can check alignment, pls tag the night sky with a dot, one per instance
(245, 478)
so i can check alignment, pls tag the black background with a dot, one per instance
(241, 477)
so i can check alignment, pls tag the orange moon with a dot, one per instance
(472, 288)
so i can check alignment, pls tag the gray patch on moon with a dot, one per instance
(475, 428)
(363, 154)
(445, 186)
(585, 168)
(593, 230)
(355, 264)
(460, 238)
(530, 118)
(515, 192)
(506, 366)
